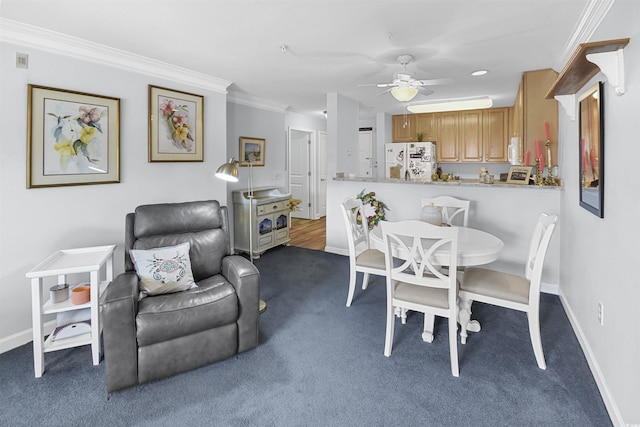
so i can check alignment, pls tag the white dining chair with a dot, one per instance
(512, 291)
(362, 258)
(417, 283)
(454, 211)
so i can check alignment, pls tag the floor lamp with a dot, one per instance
(229, 172)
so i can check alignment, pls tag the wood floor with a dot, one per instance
(308, 233)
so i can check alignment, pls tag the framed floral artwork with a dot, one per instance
(73, 138)
(176, 123)
(251, 151)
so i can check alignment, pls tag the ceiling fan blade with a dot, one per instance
(424, 91)
(435, 82)
(385, 91)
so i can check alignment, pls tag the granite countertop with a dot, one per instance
(461, 182)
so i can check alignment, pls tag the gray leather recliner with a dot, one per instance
(162, 335)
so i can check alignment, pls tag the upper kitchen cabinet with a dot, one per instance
(403, 128)
(427, 126)
(479, 136)
(532, 109)
(447, 140)
(495, 134)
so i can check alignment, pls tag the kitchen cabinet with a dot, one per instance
(473, 136)
(426, 124)
(470, 135)
(404, 128)
(531, 109)
(495, 134)
(448, 136)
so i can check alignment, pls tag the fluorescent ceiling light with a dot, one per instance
(404, 93)
(453, 105)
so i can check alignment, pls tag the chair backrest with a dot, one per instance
(204, 224)
(537, 251)
(357, 233)
(420, 240)
(454, 211)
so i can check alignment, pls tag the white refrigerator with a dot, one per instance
(412, 160)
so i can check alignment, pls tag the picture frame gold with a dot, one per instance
(176, 126)
(591, 143)
(519, 175)
(73, 138)
(252, 151)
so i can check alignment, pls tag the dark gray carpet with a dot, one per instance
(322, 364)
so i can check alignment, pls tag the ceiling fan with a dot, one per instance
(404, 87)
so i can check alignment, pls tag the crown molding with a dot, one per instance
(253, 101)
(592, 15)
(52, 42)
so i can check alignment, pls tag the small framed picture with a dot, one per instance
(251, 151)
(175, 126)
(519, 175)
(73, 138)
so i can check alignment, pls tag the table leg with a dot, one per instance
(38, 332)
(464, 318)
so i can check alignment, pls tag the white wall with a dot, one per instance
(599, 255)
(36, 222)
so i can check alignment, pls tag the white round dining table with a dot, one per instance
(475, 247)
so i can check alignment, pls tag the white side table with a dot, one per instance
(62, 263)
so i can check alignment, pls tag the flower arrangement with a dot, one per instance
(176, 118)
(293, 204)
(77, 137)
(374, 209)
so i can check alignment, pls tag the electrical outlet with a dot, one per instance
(600, 313)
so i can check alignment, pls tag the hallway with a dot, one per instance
(308, 233)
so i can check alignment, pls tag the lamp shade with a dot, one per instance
(228, 171)
(404, 93)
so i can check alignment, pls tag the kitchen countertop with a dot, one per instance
(461, 182)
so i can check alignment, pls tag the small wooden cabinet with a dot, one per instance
(470, 134)
(260, 222)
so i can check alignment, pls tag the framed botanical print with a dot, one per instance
(175, 126)
(251, 151)
(73, 138)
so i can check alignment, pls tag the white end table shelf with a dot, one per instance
(60, 264)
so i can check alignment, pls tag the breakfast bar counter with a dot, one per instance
(508, 211)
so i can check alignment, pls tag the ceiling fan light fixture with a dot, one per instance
(404, 93)
(452, 105)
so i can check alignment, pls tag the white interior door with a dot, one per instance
(322, 174)
(365, 153)
(300, 171)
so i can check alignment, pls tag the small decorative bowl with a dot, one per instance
(81, 294)
(59, 293)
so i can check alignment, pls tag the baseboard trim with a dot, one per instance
(337, 251)
(21, 338)
(609, 402)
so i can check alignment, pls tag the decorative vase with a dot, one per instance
(431, 214)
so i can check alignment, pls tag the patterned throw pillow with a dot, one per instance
(163, 270)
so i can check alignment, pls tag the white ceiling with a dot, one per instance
(333, 46)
